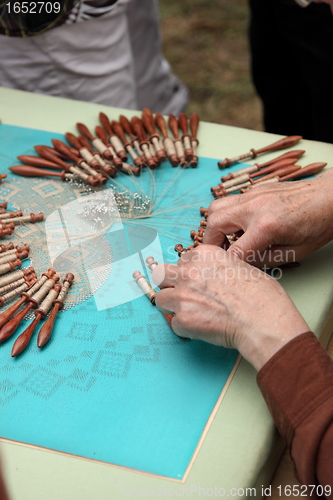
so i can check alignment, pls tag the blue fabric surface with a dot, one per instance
(116, 384)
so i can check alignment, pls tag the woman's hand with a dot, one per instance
(222, 300)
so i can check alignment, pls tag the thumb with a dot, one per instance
(249, 246)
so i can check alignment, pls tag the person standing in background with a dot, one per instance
(108, 52)
(292, 66)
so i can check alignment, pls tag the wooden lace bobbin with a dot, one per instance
(87, 155)
(167, 141)
(45, 332)
(33, 297)
(253, 153)
(279, 172)
(122, 166)
(15, 249)
(145, 286)
(70, 170)
(116, 161)
(149, 115)
(180, 249)
(203, 223)
(58, 163)
(3, 204)
(17, 290)
(4, 316)
(182, 122)
(128, 130)
(26, 218)
(15, 284)
(10, 266)
(29, 171)
(36, 161)
(312, 169)
(256, 167)
(23, 340)
(13, 256)
(173, 125)
(97, 143)
(76, 170)
(127, 145)
(15, 275)
(240, 179)
(144, 144)
(113, 138)
(56, 153)
(203, 212)
(6, 248)
(5, 232)
(194, 124)
(2, 177)
(10, 225)
(89, 179)
(10, 214)
(153, 152)
(151, 265)
(96, 172)
(148, 123)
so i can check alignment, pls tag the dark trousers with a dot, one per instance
(292, 67)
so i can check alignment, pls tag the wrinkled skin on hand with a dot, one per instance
(220, 299)
(295, 217)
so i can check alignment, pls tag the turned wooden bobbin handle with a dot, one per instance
(29, 171)
(38, 162)
(83, 129)
(154, 138)
(168, 143)
(173, 125)
(312, 169)
(105, 123)
(65, 150)
(253, 153)
(42, 287)
(182, 121)
(5, 248)
(45, 332)
(145, 286)
(73, 140)
(4, 317)
(124, 122)
(151, 263)
(278, 173)
(180, 249)
(11, 214)
(139, 131)
(23, 340)
(120, 133)
(22, 287)
(49, 154)
(101, 145)
(10, 266)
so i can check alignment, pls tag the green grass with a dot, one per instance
(206, 43)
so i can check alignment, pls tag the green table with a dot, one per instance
(242, 447)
